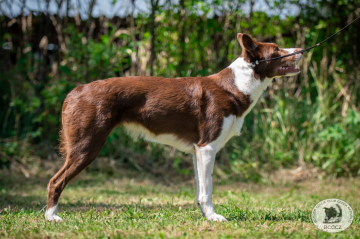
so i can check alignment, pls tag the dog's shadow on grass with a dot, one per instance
(10, 201)
(127, 211)
(99, 207)
(17, 191)
(138, 210)
(17, 203)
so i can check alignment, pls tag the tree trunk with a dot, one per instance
(181, 27)
(154, 5)
(133, 39)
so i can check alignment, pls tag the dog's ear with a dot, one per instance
(247, 43)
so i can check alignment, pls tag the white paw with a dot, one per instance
(216, 218)
(50, 215)
(55, 218)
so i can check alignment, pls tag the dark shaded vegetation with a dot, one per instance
(308, 120)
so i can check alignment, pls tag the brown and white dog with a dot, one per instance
(197, 115)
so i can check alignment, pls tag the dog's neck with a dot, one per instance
(240, 78)
(246, 80)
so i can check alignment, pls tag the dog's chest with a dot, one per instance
(231, 126)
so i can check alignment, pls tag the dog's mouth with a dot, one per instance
(288, 68)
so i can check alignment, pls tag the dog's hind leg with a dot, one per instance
(76, 161)
(80, 152)
(205, 158)
(80, 156)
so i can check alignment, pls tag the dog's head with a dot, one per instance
(253, 50)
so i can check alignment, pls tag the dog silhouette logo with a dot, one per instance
(333, 214)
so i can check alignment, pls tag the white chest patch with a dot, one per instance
(138, 131)
(231, 127)
(246, 81)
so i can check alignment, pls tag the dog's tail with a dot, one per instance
(62, 144)
(62, 147)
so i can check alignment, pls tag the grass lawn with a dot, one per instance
(101, 206)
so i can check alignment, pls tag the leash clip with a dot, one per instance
(255, 63)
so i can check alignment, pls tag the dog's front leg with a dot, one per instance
(197, 181)
(205, 158)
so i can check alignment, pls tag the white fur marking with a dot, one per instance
(247, 83)
(138, 131)
(205, 158)
(292, 50)
(289, 50)
(228, 130)
(297, 58)
(51, 214)
(239, 124)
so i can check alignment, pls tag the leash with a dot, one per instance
(298, 52)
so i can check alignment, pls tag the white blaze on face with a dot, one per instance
(292, 50)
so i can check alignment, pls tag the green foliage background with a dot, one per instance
(310, 119)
